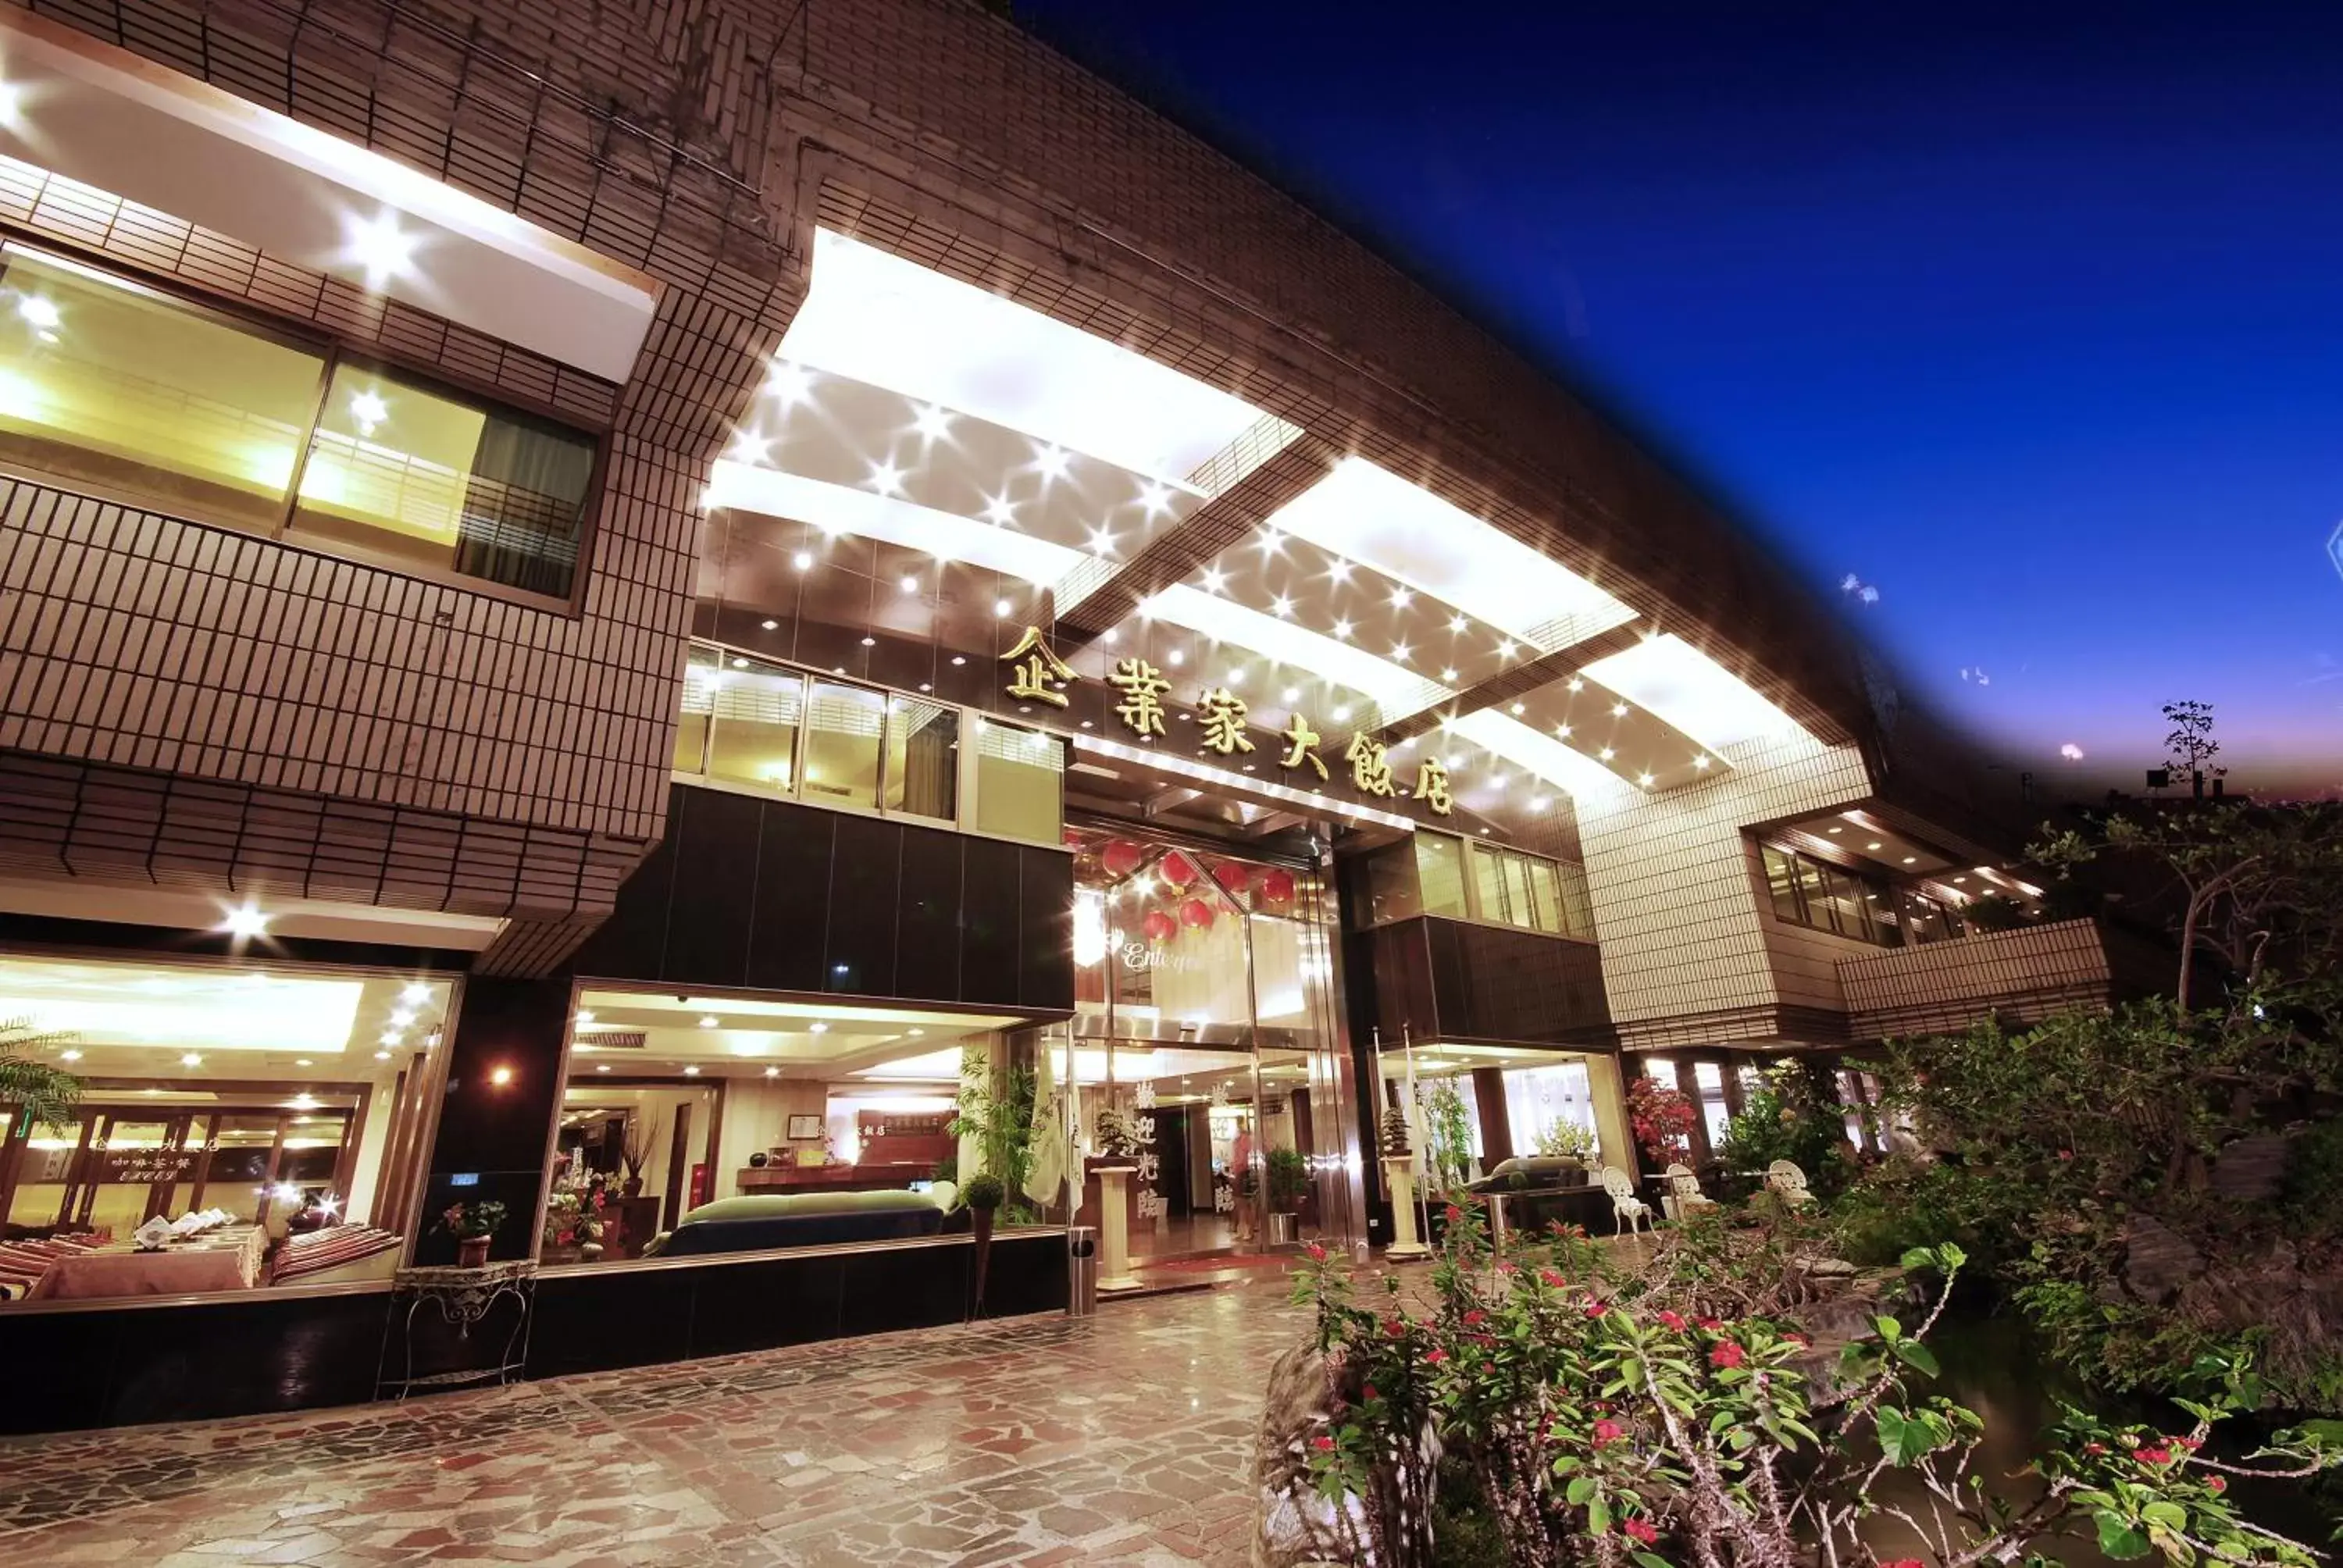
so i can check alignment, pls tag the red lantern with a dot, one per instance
(1231, 875)
(1197, 914)
(1277, 887)
(1178, 870)
(1121, 857)
(1159, 927)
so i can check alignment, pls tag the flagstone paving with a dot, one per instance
(1124, 1438)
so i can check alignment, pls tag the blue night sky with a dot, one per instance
(2031, 319)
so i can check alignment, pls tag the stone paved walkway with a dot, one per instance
(1124, 1438)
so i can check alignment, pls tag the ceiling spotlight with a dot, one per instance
(1519, 709)
(918, 1030)
(70, 1054)
(1563, 731)
(401, 1017)
(1339, 569)
(1001, 609)
(1618, 710)
(500, 1076)
(1577, 684)
(1342, 715)
(191, 1060)
(1873, 845)
(708, 1020)
(999, 512)
(1155, 498)
(1236, 678)
(739, 664)
(1400, 597)
(691, 1072)
(1050, 462)
(1909, 858)
(886, 478)
(870, 642)
(960, 658)
(1607, 754)
(817, 1027)
(932, 423)
(604, 1066)
(380, 247)
(1700, 761)
(39, 312)
(1289, 696)
(1102, 540)
(909, 583)
(1505, 647)
(244, 921)
(1342, 628)
(772, 1072)
(1449, 676)
(1537, 802)
(1399, 652)
(803, 561)
(1282, 606)
(415, 994)
(1644, 779)
(1175, 657)
(1215, 580)
(1458, 623)
(391, 1037)
(382, 1056)
(1837, 829)
(1960, 879)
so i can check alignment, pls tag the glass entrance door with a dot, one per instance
(1205, 1045)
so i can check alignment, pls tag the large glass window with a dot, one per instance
(128, 388)
(397, 467)
(1515, 888)
(831, 742)
(1807, 892)
(267, 1119)
(1020, 782)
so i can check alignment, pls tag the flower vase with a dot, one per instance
(472, 1251)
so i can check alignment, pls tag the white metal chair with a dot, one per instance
(1788, 1184)
(1683, 1195)
(1626, 1209)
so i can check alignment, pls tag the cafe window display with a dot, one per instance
(694, 1125)
(210, 1126)
(1204, 1016)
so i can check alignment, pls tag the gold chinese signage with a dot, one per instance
(1039, 675)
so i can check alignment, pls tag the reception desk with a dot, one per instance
(863, 1176)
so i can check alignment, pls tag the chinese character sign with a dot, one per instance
(1301, 741)
(1432, 786)
(1225, 723)
(1369, 761)
(1037, 674)
(1140, 689)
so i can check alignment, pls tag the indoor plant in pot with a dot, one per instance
(983, 1195)
(472, 1225)
(1289, 1178)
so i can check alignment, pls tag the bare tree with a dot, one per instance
(2190, 743)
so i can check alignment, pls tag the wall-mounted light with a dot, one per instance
(500, 1076)
(380, 247)
(245, 922)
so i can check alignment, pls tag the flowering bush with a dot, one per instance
(1662, 1118)
(463, 1221)
(1610, 1420)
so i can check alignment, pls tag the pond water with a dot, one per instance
(1992, 1366)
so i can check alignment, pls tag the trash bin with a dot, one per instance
(1282, 1229)
(1081, 1264)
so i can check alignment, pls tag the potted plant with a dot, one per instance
(983, 1195)
(1289, 1178)
(635, 1146)
(1663, 1119)
(472, 1225)
(48, 1094)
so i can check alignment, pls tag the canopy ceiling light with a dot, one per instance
(1675, 681)
(873, 315)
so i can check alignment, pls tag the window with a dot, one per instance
(1806, 893)
(1021, 778)
(1440, 873)
(402, 470)
(1515, 888)
(831, 742)
(266, 1113)
(1926, 920)
(106, 382)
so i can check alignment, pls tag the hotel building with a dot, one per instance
(608, 610)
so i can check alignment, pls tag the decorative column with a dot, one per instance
(1399, 1171)
(1114, 1228)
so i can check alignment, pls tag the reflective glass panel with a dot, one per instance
(843, 727)
(754, 711)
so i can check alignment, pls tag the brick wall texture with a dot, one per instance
(699, 141)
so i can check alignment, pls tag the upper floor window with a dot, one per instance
(109, 383)
(1516, 888)
(1434, 873)
(1812, 893)
(834, 742)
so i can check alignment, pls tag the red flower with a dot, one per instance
(2216, 1482)
(2190, 1443)
(1608, 1432)
(1475, 1318)
(2095, 1448)
(2066, 1154)
(1369, 1392)
(1641, 1529)
(1712, 1323)
(2158, 1455)
(1797, 1339)
(1394, 1328)
(1547, 1276)
(1317, 1254)
(1727, 1354)
(1905, 1562)
(1322, 1444)
(1433, 1357)
(1672, 1320)
(1595, 1308)
(1488, 1366)
(1453, 1213)
(1508, 1268)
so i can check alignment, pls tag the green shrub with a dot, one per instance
(2312, 1199)
(984, 1191)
